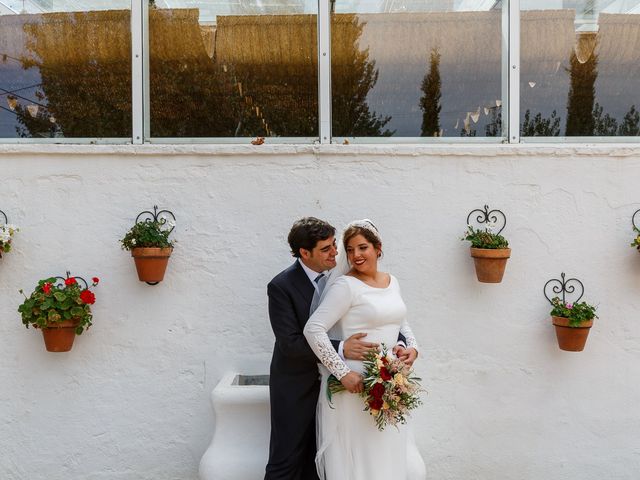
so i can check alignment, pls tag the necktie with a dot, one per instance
(321, 281)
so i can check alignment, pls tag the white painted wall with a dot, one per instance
(131, 400)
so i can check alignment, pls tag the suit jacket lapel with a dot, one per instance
(302, 283)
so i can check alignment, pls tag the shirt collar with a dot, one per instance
(312, 274)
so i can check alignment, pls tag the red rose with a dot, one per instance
(95, 280)
(384, 374)
(87, 297)
(384, 360)
(46, 288)
(70, 281)
(375, 403)
(377, 391)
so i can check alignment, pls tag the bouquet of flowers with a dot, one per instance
(390, 388)
(6, 232)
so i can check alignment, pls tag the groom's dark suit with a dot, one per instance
(294, 379)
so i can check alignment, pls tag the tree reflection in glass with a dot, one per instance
(580, 72)
(68, 74)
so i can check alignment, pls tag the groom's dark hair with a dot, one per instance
(308, 231)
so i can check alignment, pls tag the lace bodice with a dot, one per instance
(352, 306)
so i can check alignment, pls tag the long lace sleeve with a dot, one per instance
(335, 305)
(405, 330)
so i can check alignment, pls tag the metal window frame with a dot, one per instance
(513, 130)
(135, 103)
(140, 96)
(139, 69)
(324, 71)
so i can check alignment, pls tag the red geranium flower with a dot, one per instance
(377, 390)
(70, 281)
(87, 297)
(375, 403)
(384, 374)
(46, 288)
(95, 280)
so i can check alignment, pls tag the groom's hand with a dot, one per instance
(407, 355)
(356, 349)
(352, 381)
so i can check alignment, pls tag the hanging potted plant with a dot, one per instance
(61, 308)
(148, 241)
(7, 231)
(572, 320)
(489, 249)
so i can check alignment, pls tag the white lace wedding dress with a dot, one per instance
(350, 447)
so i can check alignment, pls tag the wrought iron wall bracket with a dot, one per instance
(487, 217)
(61, 280)
(635, 220)
(156, 216)
(6, 220)
(562, 286)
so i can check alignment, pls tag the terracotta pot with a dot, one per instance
(571, 339)
(151, 263)
(490, 263)
(59, 336)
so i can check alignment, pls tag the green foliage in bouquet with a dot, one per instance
(390, 388)
(575, 312)
(148, 234)
(55, 301)
(484, 238)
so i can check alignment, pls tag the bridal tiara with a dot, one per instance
(366, 224)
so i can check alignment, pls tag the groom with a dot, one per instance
(294, 379)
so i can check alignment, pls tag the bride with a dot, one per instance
(358, 298)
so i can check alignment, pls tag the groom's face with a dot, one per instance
(322, 257)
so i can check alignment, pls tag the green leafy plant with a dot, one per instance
(575, 312)
(485, 238)
(149, 234)
(636, 241)
(55, 300)
(7, 231)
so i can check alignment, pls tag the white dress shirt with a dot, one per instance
(312, 274)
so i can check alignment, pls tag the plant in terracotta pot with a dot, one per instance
(7, 231)
(61, 308)
(489, 249)
(572, 320)
(148, 241)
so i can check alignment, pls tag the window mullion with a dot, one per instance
(514, 71)
(324, 71)
(136, 72)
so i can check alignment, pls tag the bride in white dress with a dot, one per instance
(350, 447)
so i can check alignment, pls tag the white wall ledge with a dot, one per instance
(456, 150)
